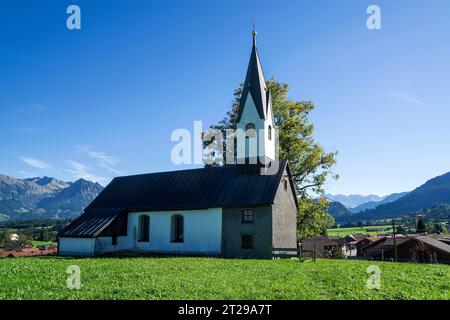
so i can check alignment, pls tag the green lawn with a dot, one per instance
(346, 231)
(45, 243)
(210, 278)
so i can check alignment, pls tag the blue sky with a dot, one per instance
(103, 101)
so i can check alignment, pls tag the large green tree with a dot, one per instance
(310, 164)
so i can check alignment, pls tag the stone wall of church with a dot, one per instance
(284, 221)
(260, 230)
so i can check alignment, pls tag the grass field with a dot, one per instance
(346, 231)
(210, 278)
(45, 243)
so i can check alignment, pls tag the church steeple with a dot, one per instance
(255, 84)
(256, 136)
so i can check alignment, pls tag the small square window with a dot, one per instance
(247, 241)
(247, 216)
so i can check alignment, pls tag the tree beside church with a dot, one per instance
(311, 165)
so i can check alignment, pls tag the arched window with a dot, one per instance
(269, 131)
(177, 228)
(144, 228)
(250, 130)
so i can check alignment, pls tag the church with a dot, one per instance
(234, 210)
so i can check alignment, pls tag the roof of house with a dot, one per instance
(359, 235)
(434, 243)
(386, 242)
(325, 240)
(255, 85)
(370, 239)
(429, 241)
(212, 187)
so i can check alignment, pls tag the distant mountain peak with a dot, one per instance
(50, 183)
(45, 197)
(374, 204)
(353, 200)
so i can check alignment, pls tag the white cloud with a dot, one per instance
(408, 97)
(103, 160)
(35, 163)
(80, 171)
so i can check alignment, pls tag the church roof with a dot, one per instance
(255, 84)
(213, 187)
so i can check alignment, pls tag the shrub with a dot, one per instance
(337, 253)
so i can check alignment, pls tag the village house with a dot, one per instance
(411, 247)
(424, 249)
(377, 248)
(14, 237)
(25, 251)
(322, 246)
(361, 243)
(232, 211)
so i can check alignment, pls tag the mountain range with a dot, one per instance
(374, 204)
(353, 200)
(434, 191)
(44, 198)
(49, 198)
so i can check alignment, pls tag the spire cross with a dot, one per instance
(254, 32)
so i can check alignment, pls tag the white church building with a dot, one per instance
(229, 211)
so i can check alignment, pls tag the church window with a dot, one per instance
(270, 132)
(177, 228)
(144, 228)
(114, 240)
(247, 216)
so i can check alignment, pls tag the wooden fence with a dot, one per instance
(278, 253)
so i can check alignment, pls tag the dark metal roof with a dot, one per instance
(228, 186)
(90, 223)
(255, 85)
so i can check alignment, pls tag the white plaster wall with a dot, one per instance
(77, 246)
(104, 245)
(269, 145)
(202, 233)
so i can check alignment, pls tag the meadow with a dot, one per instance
(214, 278)
(342, 232)
(43, 243)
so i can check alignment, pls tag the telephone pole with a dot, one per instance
(395, 240)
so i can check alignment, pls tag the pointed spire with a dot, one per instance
(255, 84)
(254, 33)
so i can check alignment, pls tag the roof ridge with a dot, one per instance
(170, 171)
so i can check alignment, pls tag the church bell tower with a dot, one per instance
(255, 132)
